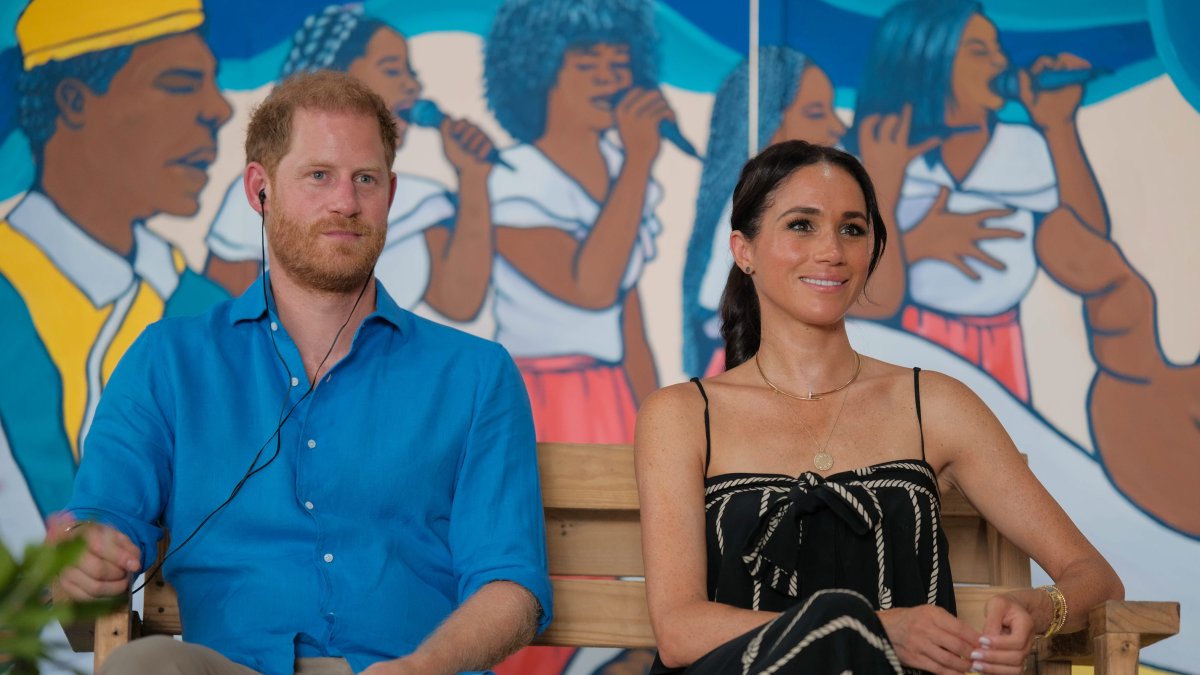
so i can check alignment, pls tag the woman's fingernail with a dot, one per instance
(977, 655)
(985, 641)
(977, 667)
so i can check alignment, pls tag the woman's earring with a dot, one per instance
(748, 270)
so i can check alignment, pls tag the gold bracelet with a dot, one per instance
(1060, 610)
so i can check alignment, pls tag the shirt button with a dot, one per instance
(312, 443)
(295, 381)
(328, 557)
(274, 326)
(308, 505)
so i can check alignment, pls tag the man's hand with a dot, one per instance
(955, 237)
(107, 566)
(930, 638)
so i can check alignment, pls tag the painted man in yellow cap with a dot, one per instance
(120, 106)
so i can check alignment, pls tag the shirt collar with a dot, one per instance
(100, 273)
(249, 306)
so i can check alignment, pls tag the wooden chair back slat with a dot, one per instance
(599, 613)
(594, 543)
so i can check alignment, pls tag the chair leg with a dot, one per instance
(112, 631)
(1117, 653)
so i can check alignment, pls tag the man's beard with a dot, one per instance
(337, 267)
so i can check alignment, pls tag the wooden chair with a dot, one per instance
(592, 530)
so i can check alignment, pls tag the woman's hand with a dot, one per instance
(1007, 636)
(466, 146)
(638, 115)
(930, 638)
(954, 238)
(886, 152)
(1052, 107)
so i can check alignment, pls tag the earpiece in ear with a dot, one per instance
(262, 197)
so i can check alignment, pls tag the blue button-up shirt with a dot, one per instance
(405, 482)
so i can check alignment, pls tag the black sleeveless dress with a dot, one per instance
(827, 553)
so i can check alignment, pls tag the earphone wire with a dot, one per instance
(276, 435)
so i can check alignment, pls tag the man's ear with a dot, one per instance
(70, 97)
(256, 183)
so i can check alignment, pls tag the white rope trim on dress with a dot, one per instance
(885, 593)
(840, 623)
(735, 482)
(758, 584)
(754, 645)
(777, 489)
(721, 530)
(937, 556)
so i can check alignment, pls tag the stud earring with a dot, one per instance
(748, 270)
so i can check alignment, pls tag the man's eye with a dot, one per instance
(319, 175)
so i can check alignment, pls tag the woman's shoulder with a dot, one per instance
(679, 397)
(932, 387)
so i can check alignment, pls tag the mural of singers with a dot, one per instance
(439, 244)
(970, 206)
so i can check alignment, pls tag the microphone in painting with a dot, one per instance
(669, 130)
(1008, 85)
(425, 113)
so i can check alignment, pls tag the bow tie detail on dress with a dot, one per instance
(773, 555)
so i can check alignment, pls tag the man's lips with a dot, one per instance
(342, 234)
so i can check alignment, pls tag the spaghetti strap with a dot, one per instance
(917, 396)
(707, 430)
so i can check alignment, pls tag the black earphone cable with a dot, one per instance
(275, 435)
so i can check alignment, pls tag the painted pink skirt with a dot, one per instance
(577, 399)
(993, 343)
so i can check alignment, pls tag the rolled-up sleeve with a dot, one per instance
(497, 530)
(124, 476)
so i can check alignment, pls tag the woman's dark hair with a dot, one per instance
(741, 322)
(911, 61)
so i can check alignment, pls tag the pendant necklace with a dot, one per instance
(822, 460)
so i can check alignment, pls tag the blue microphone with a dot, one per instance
(1008, 85)
(425, 113)
(668, 130)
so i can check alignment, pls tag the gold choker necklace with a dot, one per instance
(812, 395)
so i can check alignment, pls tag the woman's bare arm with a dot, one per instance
(670, 474)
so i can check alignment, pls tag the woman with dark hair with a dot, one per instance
(439, 244)
(575, 83)
(795, 103)
(777, 540)
(970, 208)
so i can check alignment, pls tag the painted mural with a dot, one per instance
(564, 187)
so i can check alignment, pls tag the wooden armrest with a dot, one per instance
(1128, 620)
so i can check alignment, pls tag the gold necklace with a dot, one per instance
(822, 460)
(812, 396)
